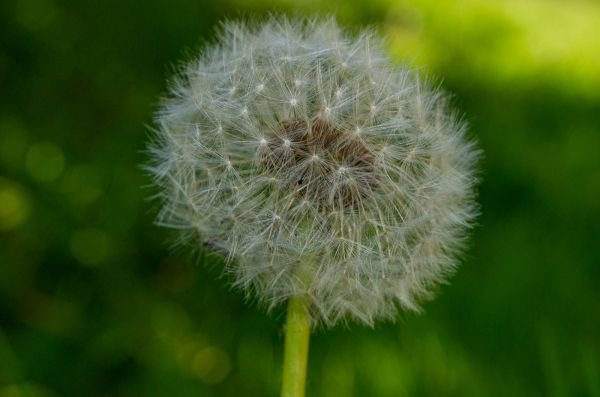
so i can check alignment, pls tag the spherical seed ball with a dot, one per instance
(318, 166)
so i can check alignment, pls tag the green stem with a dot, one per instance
(297, 335)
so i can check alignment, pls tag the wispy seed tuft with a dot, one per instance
(318, 166)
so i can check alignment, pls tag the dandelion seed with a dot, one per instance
(320, 208)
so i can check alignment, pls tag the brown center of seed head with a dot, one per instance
(324, 165)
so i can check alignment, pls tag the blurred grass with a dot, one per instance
(94, 303)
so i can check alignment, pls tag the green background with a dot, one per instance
(94, 302)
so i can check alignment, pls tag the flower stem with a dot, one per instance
(297, 335)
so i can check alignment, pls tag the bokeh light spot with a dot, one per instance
(188, 348)
(24, 390)
(14, 205)
(45, 162)
(89, 246)
(211, 364)
(11, 391)
(35, 14)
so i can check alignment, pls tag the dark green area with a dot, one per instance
(93, 302)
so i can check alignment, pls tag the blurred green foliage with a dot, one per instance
(93, 302)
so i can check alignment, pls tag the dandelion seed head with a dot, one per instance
(363, 221)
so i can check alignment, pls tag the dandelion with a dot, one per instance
(329, 177)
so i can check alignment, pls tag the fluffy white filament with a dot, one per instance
(318, 166)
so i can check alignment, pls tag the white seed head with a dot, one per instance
(360, 202)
